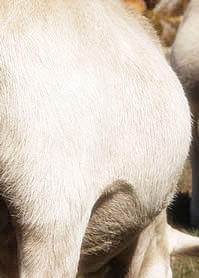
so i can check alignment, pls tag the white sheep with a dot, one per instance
(94, 125)
(169, 7)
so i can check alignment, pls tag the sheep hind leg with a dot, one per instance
(111, 235)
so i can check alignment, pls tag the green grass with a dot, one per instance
(186, 267)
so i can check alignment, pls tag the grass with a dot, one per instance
(185, 267)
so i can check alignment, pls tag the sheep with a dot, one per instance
(95, 129)
(171, 7)
(184, 60)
